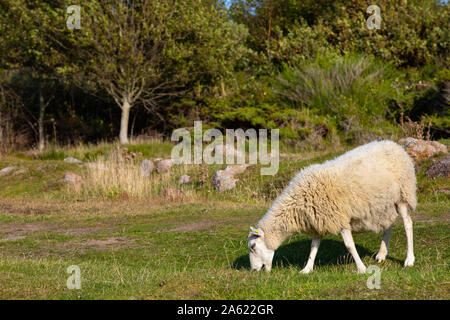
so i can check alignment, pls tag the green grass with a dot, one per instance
(155, 261)
(155, 249)
(91, 152)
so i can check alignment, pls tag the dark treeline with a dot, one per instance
(311, 68)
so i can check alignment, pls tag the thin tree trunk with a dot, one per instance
(222, 87)
(2, 141)
(269, 30)
(1, 127)
(42, 106)
(123, 136)
(132, 123)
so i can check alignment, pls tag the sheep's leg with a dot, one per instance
(403, 211)
(312, 256)
(348, 240)
(384, 247)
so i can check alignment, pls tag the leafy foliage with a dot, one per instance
(309, 68)
(413, 33)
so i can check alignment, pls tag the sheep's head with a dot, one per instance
(260, 256)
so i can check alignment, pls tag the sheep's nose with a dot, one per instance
(257, 269)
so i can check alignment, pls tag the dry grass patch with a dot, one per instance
(114, 176)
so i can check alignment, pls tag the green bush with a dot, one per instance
(353, 97)
(352, 92)
(412, 33)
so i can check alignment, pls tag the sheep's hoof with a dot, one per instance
(306, 270)
(362, 270)
(380, 257)
(409, 262)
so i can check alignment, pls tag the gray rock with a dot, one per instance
(19, 172)
(184, 179)
(71, 177)
(236, 168)
(7, 170)
(164, 165)
(147, 166)
(439, 168)
(72, 160)
(421, 149)
(406, 141)
(223, 180)
(440, 148)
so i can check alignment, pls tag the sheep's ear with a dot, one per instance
(256, 232)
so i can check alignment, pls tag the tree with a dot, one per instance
(27, 46)
(142, 51)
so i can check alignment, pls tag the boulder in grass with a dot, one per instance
(421, 149)
(223, 180)
(439, 168)
(147, 166)
(72, 160)
(164, 165)
(236, 168)
(19, 172)
(7, 170)
(184, 179)
(440, 148)
(71, 177)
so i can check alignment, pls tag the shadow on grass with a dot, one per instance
(331, 252)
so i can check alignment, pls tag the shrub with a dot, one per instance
(427, 95)
(352, 92)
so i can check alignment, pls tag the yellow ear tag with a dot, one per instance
(256, 231)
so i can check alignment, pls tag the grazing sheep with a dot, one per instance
(361, 190)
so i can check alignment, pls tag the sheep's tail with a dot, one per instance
(408, 186)
(409, 198)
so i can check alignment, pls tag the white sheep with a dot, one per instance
(361, 190)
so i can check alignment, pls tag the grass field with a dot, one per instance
(194, 247)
